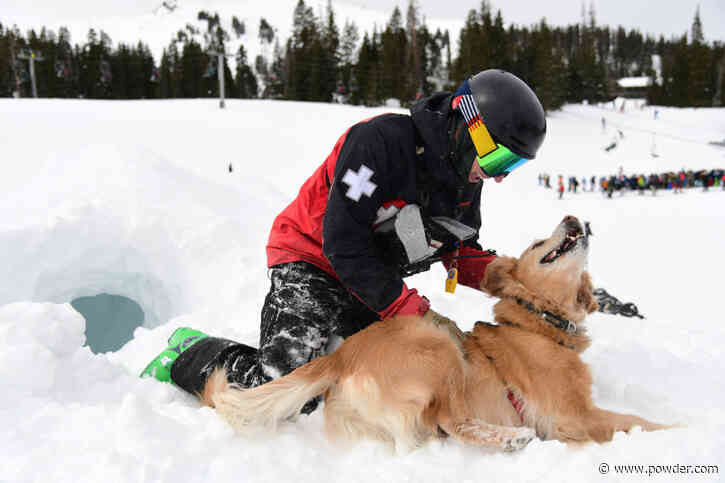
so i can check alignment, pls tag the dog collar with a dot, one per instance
(559, 322)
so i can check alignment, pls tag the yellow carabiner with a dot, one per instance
(452, 280)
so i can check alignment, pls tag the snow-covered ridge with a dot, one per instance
(144, 21)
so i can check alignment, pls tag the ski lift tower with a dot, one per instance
(32, 58)
(220, 74)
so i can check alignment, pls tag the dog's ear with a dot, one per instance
(498, 275)
(585, 294)
(499, 281)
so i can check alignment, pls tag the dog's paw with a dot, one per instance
(504, 438)
(519, 441)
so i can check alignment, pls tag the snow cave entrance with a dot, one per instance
(110, 320)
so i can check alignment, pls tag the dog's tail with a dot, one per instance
(266, 405)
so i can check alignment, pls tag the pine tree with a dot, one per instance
(171, 72)
(360, 73)
(238, 27)
(473, 49)
(592, 64)
(304, 56)
(541, 80)
(426, 45)
(368, 72)
(6, 77)
(266, 32)
(415, 79)
(330, 57)
(718, 56)
(193, 65)
(696, 35)
(165, 81)
(262, 61)
(150, 73)
(394, 61)
(436, 73)
(678, 92)
(348, 49)
(500, 46)
(96, 75)
(449, 61)
(700, 68)
(276, 87)
(245, 82)
(63, 65)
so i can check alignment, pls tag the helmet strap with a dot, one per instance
(460, 146)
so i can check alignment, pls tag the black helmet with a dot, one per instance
(510, 110)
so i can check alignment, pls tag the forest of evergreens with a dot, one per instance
(323, 61)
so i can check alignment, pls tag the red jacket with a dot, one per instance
(297, 231)
(330, 222)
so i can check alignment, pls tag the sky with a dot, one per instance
(134, 198)
(666, 17)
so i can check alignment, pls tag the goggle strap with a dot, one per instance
(482, 139)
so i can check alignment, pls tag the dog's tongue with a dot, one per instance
(550, 256)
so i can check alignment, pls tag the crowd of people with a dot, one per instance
(640, 183)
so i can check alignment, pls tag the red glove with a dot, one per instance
(470, 270)
(409, 303)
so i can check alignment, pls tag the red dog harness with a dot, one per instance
(518, 405)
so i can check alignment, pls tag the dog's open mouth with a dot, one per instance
(573, 235)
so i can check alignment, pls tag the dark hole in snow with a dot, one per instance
(110, 320)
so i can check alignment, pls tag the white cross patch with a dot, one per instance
(359, 183)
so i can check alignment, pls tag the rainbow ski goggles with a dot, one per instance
(493, 158)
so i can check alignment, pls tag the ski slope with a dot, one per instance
(135, 198)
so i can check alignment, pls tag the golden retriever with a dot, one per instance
(408, 379)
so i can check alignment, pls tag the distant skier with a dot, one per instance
(641, 184)
(680, 182)
(230, 167)
(611, 145)
(653, 183)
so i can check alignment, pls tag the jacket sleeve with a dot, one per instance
(365, 176)
(471, 268)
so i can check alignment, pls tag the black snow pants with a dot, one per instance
(305, 313)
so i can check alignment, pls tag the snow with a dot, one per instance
(642, 81)
(135, 199)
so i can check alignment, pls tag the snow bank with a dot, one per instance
(148, 209)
